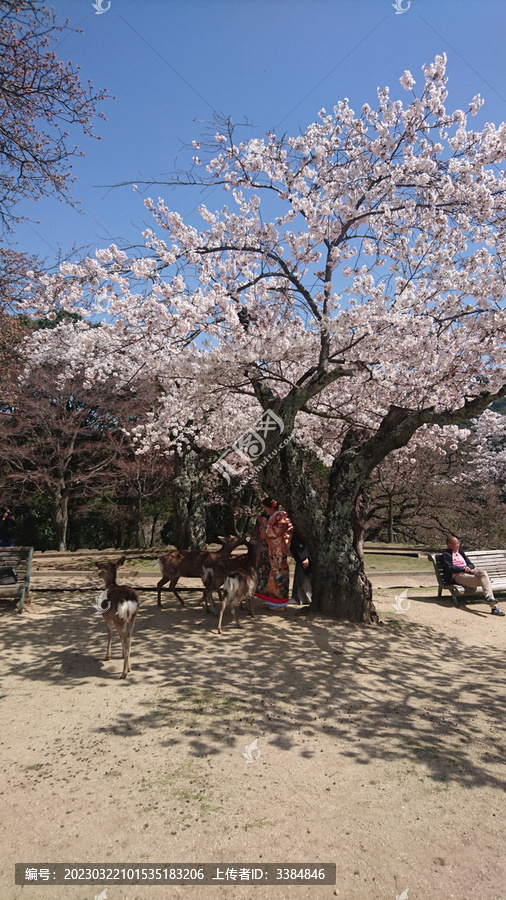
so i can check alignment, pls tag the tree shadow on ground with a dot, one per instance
(391, 692)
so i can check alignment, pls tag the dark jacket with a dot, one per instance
(449, 569)
(299, 550)
(7, 525)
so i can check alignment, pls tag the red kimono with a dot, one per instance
(277, 535)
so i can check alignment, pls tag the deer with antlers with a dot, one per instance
(241, 581)
(119, 605)
(214, 574)
(178, 564)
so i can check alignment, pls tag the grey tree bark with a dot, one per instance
(60, 517)
(188, 502)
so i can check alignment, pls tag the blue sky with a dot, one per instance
(170, 63)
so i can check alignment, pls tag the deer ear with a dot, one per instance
(120, 561)
(220, 539)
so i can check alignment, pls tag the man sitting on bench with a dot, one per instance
(458, 569)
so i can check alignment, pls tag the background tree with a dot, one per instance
(66, 443)
(41, 97)
(143, 495)
(366, 302)
(413, 496)
(446, 480)
(14, 279)
(487, 457)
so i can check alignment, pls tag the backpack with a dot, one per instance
(8, 575)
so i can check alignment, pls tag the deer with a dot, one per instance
(241, 582)
(119, 604)
(178, 564)
(214, 575)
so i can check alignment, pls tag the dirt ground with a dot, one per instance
(381, 750)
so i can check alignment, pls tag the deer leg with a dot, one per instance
(208, 596)
(234, 607)
(121, 636)
(126, 641)
(109, 641)
(172, 587)
(251, 605)
(213, 604)
(221, 595)
(126, 655)
(159, 589)
(223, 605)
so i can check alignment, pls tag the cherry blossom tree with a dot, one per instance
(40, 98)
(350, 292)
(445, 481)
(487, 462)
(14, 267)
(413, 494)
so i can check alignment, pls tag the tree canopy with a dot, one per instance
(41, 97)
(353, 286)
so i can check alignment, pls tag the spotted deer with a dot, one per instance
(119, 604)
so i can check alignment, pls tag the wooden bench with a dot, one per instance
(20, 559)
(493, 561)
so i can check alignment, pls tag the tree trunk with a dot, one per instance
(334, 534)
(188, 500)
(154, 523)
(390, 519)
(341, 588)
(138, 524)
(60, 517)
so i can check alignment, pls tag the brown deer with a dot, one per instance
(240, 584)
(119, 604)
(178, 564)
(213, 577)
(215, 573)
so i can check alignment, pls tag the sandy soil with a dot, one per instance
(379, 749)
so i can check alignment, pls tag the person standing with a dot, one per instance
(458, 569)
(301, 588)
(275, 531)
(7, 524)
